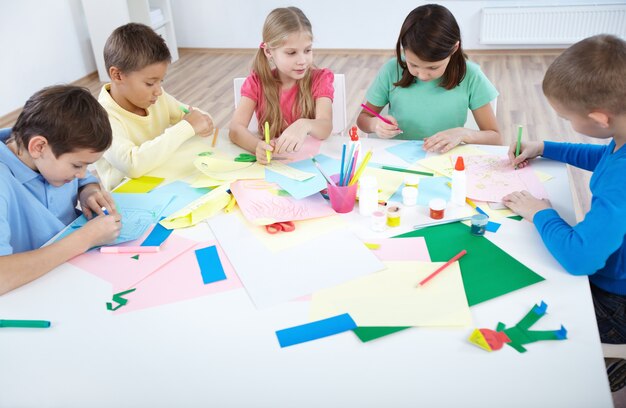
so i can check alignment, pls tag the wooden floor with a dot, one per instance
(204, 78)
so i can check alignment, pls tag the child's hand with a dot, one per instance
(385, 130)
(92, 199)
(261, 148)
(524, 204)
(101, 230)
(528, 150)
(292, 139)
(445, 140)
(202, 124)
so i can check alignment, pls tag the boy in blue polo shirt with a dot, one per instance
(43, 173)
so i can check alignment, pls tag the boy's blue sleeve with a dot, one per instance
(585, 248)
(583, 156)
(5, 228)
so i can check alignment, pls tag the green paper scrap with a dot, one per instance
(119, 299)
(205, 154)
(136, 257)
(516, 217)
(142, 184)
(487, 270)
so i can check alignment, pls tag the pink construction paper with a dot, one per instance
(262, 203)
(180, 280)
(123, 271)
(401, 249)
(491, 177)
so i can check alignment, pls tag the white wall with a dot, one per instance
(42, 42)
(358, 24)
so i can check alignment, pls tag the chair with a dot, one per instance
(339, 104)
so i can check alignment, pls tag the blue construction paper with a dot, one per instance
(138, 211)
(315, 330)
(157, 236)
(210, 265)
(182, 194)
(410, 151)
(432, 187)
(301, 189)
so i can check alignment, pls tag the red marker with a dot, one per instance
(442, 267)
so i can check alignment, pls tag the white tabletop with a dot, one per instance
(220, 351)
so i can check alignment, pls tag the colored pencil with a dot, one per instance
(354, 161)
(373, 112)
(328, 179)
(361, 168)
(423, 173)
(442, 267)
(343, 160)
(348, 164)
(215, 132)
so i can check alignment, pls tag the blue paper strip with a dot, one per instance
(410, 151)
(315, 330)
(210, 265)
(157, 236)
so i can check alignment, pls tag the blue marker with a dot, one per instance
(104, 210)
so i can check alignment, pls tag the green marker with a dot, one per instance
(182, 108)
(519, 141)
(33, 324)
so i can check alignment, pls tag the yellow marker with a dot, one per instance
(268, 154)
(231, 204)
(371, 245)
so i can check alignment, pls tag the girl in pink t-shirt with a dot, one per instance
(284, 89)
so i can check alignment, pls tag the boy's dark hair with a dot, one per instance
(69, 117)
(133, 46)
(590, 74)
(431, 32)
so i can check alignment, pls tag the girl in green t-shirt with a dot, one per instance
(429, 87)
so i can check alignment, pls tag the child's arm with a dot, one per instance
(93, 198)
(292, 138)
(369, 123)
(584, 248)
(488, 133)
(241, 136)
(19, 269)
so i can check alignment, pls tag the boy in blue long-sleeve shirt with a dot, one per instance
(586, 85)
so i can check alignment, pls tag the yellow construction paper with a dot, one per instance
(229, 170)
(288, 171)
(306, 230)
(203, 181)
(388, 181)
(543, 177)
(180, 165)
(391, 297)
(442, 163)
(139, 185)
(199, 210)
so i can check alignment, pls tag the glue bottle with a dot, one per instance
(459, 183)
(368, 195)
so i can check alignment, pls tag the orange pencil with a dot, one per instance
(214, 137)
(442, 267)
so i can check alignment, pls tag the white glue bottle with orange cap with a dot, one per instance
(459, 183)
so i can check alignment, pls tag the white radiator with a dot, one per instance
(550, 24)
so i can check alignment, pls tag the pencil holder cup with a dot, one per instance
(342, 198)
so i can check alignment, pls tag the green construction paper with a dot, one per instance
(119, 299)
(487, 270)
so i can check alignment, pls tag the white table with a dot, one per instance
(220, 351)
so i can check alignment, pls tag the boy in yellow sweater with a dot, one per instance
(147, 123)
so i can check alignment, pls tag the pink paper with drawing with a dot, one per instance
(491, 177)
(264, 203)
